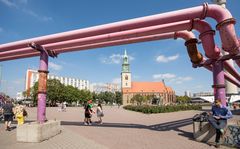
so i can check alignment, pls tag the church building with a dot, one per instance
(158, 90)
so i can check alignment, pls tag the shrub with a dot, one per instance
(162, 109)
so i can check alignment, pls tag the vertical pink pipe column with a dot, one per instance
(42, 87)
(218, 82)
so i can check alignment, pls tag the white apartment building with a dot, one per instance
(32, 77)
(102, 87)
(202, 94)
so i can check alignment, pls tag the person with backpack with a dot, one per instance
(8, 114)
(88, 113)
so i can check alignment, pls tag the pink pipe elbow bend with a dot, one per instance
(207, 38)
(226, 28)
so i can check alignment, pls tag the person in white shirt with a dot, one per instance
(99, 113)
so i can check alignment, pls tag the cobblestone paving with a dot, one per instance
(121, 129)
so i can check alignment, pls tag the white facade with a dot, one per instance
(20, 96)
(202, 94)
(32, 77)
(188, 93)
(109, 87)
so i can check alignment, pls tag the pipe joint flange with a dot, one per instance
(44, 71)
(224, 22)
(207, 32)
(191, 22)
(204, 12)
(175, 36)
(218, 86)
(190, 41)
(42, 92)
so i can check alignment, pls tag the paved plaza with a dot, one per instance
(121, 129)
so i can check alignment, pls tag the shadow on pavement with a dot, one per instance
(173, 125)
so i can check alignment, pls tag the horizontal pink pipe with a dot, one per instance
(174, 16)
(97, 45)
(171, 27)
(202, 26)
(181, 34)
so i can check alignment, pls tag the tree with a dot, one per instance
(139, 99)
(183, 99)
(118, 97)
(55, 91)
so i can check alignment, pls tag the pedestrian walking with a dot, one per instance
(8, 114)
(100, 113)
(20, 114)
(88, 113)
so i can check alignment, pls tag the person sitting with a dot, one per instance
(218, 119)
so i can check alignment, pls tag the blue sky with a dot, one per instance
(150, 61)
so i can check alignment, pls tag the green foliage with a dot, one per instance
(183, 99)
(57, 92)
(162, 109)
(118, 96)
(139, 99)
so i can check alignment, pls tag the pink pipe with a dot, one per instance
(97, 45)
(226, 76)
(186, 35)
(231, 70)
(183, 34)
(203, 27)
(207, 38)
(171, 27)
(218, 13)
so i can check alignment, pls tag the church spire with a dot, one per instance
(125, 64)
(125, 53)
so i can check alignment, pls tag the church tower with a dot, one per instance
(125, 74)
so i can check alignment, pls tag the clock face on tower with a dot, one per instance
(126, 77)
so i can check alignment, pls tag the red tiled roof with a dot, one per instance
(147, 87)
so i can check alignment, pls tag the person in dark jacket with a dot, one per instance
(8, 114)
(218, 119)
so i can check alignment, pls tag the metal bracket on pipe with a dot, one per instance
(222, 58)
(205, 63)
(40, 48)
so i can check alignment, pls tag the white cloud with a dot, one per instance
(18, 81)
(115, 59)
(55, 66)
(23, 1)
(9, 3)
(171, 78)
(164, 76)
(34, 14)
(116, 80)
(164, 59)
(19, 5)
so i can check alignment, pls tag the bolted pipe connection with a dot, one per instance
(195, 56)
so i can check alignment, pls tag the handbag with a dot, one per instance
(25, 112)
